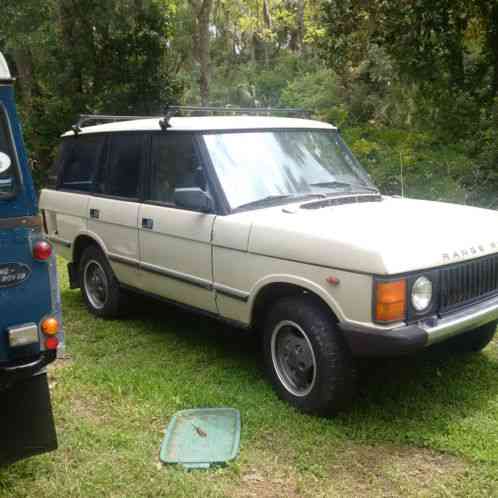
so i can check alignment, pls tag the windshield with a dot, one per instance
(258, 166)
(7, 171)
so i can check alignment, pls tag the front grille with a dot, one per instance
(467, 282)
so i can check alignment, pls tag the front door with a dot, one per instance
(175, 244)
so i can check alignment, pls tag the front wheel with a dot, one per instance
(306, 357)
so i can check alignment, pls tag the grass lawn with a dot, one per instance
(423, 426)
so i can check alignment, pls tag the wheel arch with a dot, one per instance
(271, 289)
(82, 241)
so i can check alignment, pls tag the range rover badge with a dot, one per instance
(12, 274)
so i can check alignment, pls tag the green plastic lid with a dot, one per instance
(202, 437)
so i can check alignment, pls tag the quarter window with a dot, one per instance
(79, 161)
(125, 163)
(175, 164)
(7, 171)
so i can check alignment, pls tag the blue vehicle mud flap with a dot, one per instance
(26, 420)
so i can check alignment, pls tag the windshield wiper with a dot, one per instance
(343, 184)
(277, 197)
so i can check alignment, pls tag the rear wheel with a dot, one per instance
(475, 340)
(306, 357)
(99, 286)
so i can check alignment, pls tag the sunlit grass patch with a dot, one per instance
(423, 426)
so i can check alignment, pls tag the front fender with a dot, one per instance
(303, 283)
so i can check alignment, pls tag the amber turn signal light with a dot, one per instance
(390, 303)
(50, 326)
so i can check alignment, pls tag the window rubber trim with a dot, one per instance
(18, 177)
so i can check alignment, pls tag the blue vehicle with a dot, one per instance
(30, 322)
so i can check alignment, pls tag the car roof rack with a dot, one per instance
(176, 110)
(235, 111)
(228, 110)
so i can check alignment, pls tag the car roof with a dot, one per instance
(206, 123)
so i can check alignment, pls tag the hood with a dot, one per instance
(387, 237)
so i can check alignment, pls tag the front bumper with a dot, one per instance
(373, 342)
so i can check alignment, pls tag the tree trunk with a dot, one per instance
(300, 25)
(493, 47)
(268, 26)
(74, 83)
(195, 33)
(204, 49)
(457, 68)
(202, 11)
(24, 64)
(297, 30)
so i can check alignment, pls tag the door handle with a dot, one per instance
(148, 223)
(94, 213)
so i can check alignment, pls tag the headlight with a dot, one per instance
(421, 293)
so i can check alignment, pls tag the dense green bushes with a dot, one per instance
(417, 105)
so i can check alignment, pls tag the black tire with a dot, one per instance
(331, 384)
(112, 300)
(475, 340)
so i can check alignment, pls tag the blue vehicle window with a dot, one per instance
(79, 161)
(7, 158)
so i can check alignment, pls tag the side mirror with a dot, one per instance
(194, 199)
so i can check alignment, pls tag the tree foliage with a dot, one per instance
(84, 56)
(413, 83)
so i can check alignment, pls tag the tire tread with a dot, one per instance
(336, 376)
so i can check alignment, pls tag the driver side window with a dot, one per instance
(7, 171)
(175, 164)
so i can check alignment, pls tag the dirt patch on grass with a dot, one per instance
(64, 361)
(352, 471)
(256, 482)
(389, 471)
(88, 408)
(264, 474)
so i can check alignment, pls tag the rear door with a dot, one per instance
(113, 210)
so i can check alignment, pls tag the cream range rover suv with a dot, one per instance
(271, 224)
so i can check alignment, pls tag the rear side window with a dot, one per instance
(175, 164)
(122, 178)
(79, 161)
(7, 158)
